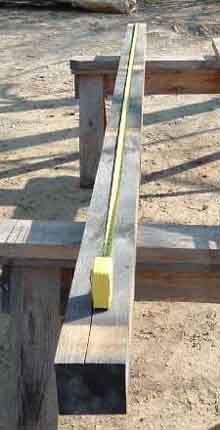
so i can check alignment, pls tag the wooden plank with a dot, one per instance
(111, 331)
(178, 283)
(35, 323)
(92, 127)
(216, 46)
(184, 75)
(106, 340)
(167, 255)
(40, 241)
(163, 243)
(6, 417)
(6, 229)
(73, 343)
(173, 261)
(94, 232)
(181, 76)
(59, 242)
(108, 64)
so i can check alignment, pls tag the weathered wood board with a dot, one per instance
(30, 299)
(193, 75)
(7, 419)
(168, 256)
(110, 334)
(35, 322)
(92, 127)
(171, 75)
(47, 242)
(84, 359)
(60, 241)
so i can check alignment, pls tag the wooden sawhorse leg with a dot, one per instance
(33, 297)
(92, 126)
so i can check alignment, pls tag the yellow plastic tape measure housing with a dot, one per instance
(102, 282)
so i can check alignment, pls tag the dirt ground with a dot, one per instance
(175, 370)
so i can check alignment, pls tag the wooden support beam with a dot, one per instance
(168, 256)
(7, 403)
(179, 283)
(197, 75)
(34, 299)
(84, 360)
(174, 262)
(92, 126)
(187, 75)
(46, 243)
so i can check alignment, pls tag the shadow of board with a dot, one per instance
(38, 139)
(57, 198)
(174, 113)
(181, 168)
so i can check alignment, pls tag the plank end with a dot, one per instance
(88, 389)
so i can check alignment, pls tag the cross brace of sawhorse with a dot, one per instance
(94, 80)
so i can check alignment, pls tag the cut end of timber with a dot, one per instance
(87, 389)
(102, 283)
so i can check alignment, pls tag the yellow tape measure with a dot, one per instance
(102, 272)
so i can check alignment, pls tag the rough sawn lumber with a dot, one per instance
(168, 75)
(178, 262)
(84, 364)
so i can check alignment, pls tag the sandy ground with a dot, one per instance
(175, 372)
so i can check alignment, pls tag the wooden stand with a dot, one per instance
(173, 263)
(38, 259)
(195, 75)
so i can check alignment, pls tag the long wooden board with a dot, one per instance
(110, 332)
(174, 262)
(58, 243)
(183, 75)
(71, 358)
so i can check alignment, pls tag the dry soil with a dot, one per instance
(175, 369)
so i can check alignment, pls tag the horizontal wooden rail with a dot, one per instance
(95, 78)
(172, 253)
(174, 262)
(187, 75)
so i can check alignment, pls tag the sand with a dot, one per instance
(175, 371)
